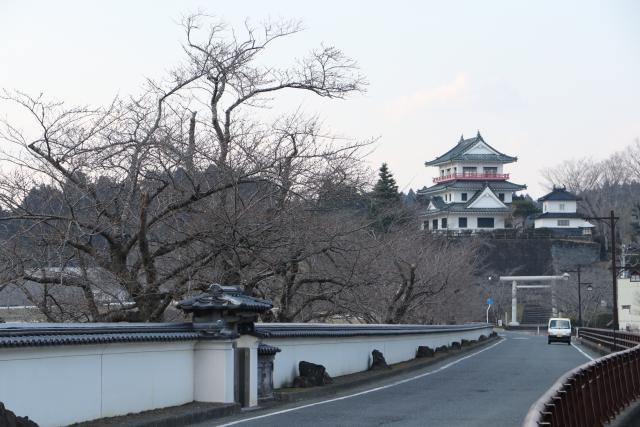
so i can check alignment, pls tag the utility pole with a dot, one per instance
(614, 271)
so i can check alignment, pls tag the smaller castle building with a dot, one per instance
(560, 213)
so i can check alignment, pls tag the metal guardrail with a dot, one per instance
(612, 340)
(594, 393)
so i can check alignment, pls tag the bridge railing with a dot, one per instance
(594, 393)
(610, 339)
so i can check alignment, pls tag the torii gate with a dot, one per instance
(514, 289)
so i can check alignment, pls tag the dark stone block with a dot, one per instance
(424, 351)
(377, 361)
(311, 375)
(9, 419)
(456, 345)
(442, 349)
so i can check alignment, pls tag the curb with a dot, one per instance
(173, 416)
(603, 351)
(356, 379)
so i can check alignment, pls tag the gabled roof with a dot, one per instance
(560, 215)
(559, 193)
(460, 152)
(471, 186)
(437, 203)
(485, 193)
(438, 206)
(463, 208)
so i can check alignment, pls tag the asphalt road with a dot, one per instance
(493, 386)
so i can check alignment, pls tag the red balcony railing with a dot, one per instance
(472, 176)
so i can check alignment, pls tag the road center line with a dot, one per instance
(406, 380)
(580, 350)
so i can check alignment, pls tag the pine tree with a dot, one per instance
(386, 189)
(385, 200)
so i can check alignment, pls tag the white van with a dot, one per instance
(559, 330)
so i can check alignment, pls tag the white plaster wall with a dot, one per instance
(570, 206)
(456, 195)
(60, 385)
(346, 355)
(553, 223)
(629, 294)
(479, 167)
(472, 222)
(214, 370)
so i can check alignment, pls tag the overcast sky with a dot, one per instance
(542, 80)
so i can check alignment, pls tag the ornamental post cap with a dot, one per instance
(229, 298)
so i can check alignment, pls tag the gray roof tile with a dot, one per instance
(471, 185)
(285, 330)
(44, 334)
(559, 194)
(458, 153)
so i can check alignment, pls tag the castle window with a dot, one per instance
(464, 197)
(435, 224)
(563, 223)
(486, 223)
(462, 222)
(469, 170)
(501, 197)
(491, 170)
(561, 207)
(444, 222)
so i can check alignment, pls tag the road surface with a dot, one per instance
(492, 386)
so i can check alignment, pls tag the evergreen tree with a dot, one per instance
(385, 201)
(386, 189)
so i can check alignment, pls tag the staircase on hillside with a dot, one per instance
(534, 314)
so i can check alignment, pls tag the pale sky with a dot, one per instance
(542, 80)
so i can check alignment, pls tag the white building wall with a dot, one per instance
(65, 384)
(553, 223)
(570, 206)
(347, 355)
(629, 296)
(472, 222)
(478, 165)
(456, 196)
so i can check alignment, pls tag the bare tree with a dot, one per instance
(140, 199)
(406, 275)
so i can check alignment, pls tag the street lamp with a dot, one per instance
(589, 288)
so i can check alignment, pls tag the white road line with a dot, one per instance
(406, 380)
(580, 350)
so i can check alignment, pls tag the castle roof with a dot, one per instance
(559, 215)
(463, 151)
(461, 184)
(559, 193)
(439, 206)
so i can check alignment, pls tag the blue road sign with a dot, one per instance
(489, 301)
